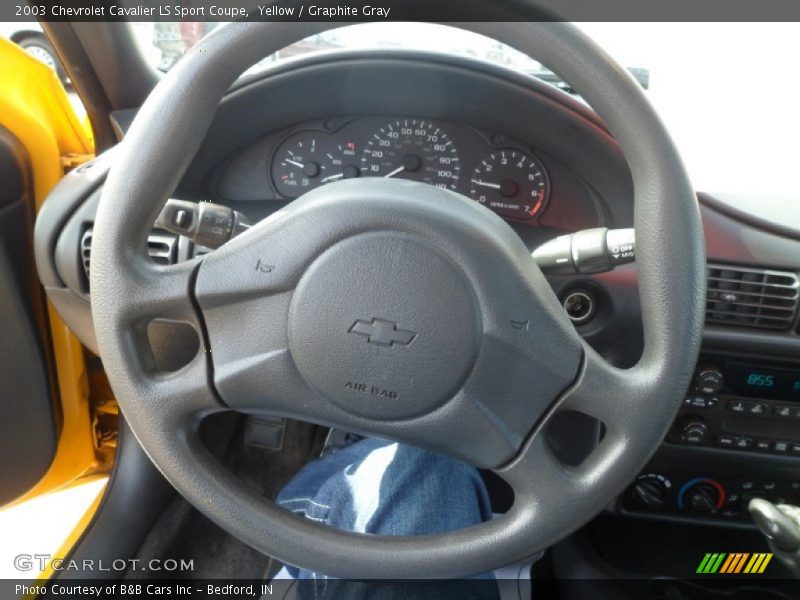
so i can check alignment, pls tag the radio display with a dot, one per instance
(756, 381)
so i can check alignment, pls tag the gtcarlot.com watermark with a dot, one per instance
(39, 562)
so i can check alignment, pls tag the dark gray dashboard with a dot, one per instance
(475, 162)
(507, 109)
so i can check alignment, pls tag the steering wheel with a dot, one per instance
(393, 309)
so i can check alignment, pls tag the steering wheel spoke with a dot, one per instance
(604, 392)
(158, 292)
(244, 291)
(622, 401)
(540, 479)
(184, 396)
(165, 293)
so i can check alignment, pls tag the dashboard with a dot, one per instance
(499, 173)
(546, 164)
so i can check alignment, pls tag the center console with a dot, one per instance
(736, 437)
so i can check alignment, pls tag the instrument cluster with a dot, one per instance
(503, 175)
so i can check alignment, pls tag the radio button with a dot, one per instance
(763, 445)
(782, 410)
(694, 431)
(739, 406)
(795, 449)
(758, 408)
(780, 447)
(702, 402)
(743, 443)
(709, 381)
(726, 441)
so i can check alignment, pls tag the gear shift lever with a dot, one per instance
(781, 525)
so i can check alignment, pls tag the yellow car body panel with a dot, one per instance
(35, 108)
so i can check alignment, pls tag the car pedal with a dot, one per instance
(266, 433)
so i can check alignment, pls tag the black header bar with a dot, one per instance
(401, 10)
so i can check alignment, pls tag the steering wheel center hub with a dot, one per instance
(384, 326)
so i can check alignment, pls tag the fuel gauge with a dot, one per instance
(297, 167)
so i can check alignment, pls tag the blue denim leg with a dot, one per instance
(380, 487)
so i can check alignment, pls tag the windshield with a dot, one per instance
(725, 90)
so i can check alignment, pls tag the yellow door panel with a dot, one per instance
(35, 108)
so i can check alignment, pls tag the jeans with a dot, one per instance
(380, 487)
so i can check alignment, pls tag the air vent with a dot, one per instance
(751, 297)
(162, 248)
(86, 251)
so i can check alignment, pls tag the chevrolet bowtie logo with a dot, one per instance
(382, 332)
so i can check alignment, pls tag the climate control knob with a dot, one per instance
(701, 495)
(648, 494)
(702, 498)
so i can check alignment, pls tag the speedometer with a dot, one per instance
(412, 149)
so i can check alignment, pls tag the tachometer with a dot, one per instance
(412, 149)
(511, 183)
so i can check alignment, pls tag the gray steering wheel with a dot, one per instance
(388, 311)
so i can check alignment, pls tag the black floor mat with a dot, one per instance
(182, 532)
